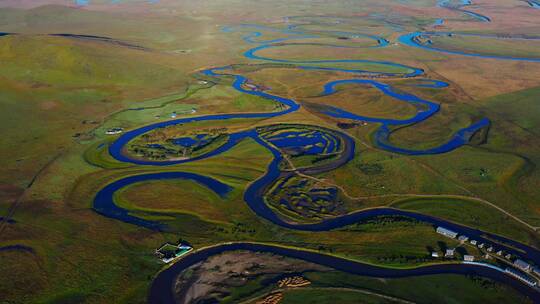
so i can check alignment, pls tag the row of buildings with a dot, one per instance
(518, 264)
(450, 252)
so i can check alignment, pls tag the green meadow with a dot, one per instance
(60, 95)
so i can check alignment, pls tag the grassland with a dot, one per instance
(372, 101)
(518, 107)
(308, 295)
(470, 213)
(174, 196)
(426, 289)
(256, 276)
(297, 52)
(331, 286)
(488, 45)
(61, 94)
(502, 170)
(232, 168)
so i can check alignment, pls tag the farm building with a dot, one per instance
(468, 258)
(113, 131)
(463, 238)
(446, 232)
(168, 252)
(522, 265)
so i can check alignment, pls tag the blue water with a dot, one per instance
(306, 64)
(534, 3)
(253, 195)
(104, 200)
(428, 83)
(9, 220)
(477, 16)
(426, 110)
(116, 148)
(459, 7)
(442, 3)
(161, 290)
(255, 200)
(155, 146)
(185, 141)
(306, 142)
(199, 140)
(459, 139)
(383, 135)
(430, 107)
(251, 36)
(105, 205)
(295, 35)
(18, 247)
(409, 40)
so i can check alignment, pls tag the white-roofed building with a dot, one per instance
(468, 258)
(447, 232)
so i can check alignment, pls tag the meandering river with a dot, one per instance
(161, 291)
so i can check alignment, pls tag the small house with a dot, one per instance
(447, 232)
(169, 252)
(114, 131)
(463, 238)
(450, 252)
(522, 265)
(468, 258)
